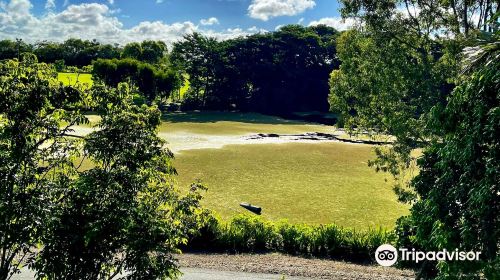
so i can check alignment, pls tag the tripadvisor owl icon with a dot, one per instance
(386, 255)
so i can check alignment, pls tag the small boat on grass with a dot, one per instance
(252, 208)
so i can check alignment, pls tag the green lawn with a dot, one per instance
(223, 123)
(314, 183)
(74, 78)
(304, 183)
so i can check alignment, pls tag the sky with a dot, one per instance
(123, 21)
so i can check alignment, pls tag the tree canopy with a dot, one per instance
(278, 72)
(85, 207)
(401, 75)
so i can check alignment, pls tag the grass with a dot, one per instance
(302, 182)
(223, 123)
(185, 87)
(74, 78)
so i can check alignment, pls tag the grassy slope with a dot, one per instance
(311, 183)
(73, 78)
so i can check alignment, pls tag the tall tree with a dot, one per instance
(132, 50)
(119, 213)
(36, 114)
(398, 74)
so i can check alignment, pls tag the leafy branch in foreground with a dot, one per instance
(123, 214)
(99, 206)
(35, 114)
(458, 179)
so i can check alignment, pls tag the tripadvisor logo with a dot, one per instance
(387, 255)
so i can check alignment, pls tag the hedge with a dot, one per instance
(245, 233)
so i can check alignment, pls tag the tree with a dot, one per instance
(278, 73)
(459, 174)
(132, 50)
(120, 212)
(12, 49)
(153, 51)
(150, 80)
(123, 213)
(398, 75)
(198, 56)
(400, 63)
(36, 114)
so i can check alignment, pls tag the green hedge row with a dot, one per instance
(246, 233)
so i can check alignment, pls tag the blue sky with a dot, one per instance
(122, 21)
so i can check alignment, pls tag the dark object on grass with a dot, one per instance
(252, 208)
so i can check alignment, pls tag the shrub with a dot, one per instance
(245, 233)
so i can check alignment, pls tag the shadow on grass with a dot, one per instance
(217, 116)
(213, 117)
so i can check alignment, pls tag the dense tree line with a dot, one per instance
(152, 81)
(79, 53)
(277, 72)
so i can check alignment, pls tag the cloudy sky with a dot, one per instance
(122, 21)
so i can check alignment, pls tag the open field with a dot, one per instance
(302, 181)
(73, 78)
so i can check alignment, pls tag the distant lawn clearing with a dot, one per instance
(304, 183)
(74, 78)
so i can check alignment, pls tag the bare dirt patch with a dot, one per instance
(292, 266)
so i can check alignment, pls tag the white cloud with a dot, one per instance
(266, 9)
(95, 21)
(50, 4)
(209, 21)
(111, 2)
(335, 22)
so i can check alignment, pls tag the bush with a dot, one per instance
(246, 233)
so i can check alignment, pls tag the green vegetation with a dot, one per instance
(470, 189)
(223, 123)
(121, 213)
(244, 233)
(304, 183)
(400, 75)
(153, 82)
(275, 73)
(71, 79)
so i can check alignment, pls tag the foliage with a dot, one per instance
(278, 72)
(75, 52)
(151, 81)
(147, 51)
(245, 233)
(458, 181)
(80, 53)
(36, 113)
(397, 76)
(123, 213)
(402, 60)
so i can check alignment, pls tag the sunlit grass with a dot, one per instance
(222, 123)
(71, 79)
(304, 183)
